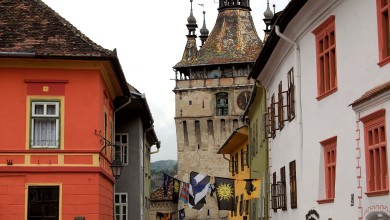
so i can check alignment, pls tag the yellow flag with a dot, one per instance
(251, 187)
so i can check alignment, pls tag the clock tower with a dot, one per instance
(211, 93)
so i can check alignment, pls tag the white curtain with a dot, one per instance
(45, 132)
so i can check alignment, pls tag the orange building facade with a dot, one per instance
(51, 163)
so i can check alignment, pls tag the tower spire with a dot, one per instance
(191, 49)
(268, 15)
(204, 32)
(191, 26)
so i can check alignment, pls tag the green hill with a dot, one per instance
(157, 169)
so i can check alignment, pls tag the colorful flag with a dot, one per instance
(225, 193)
(199, 185)
(167, 216)
(176, 190)
(166, 182)
(183, 196)
(250, 186)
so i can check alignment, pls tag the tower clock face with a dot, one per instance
(243, 99)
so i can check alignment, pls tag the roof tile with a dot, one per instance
(372, 93)
(32, 26)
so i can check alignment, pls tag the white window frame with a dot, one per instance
(123, 147)
(120, 215)
(35, 116)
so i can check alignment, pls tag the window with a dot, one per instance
(329, 146)
(210, 128)
(241, 204)
(236, 164)
(278, 191)
(274, 193)
(281, 106)
(290, 95)
(282, 189)
(383, 9)
(222, 103)
(185, 132)
(45, 119)
(293, 185)
(269, 119)
(244, 158)
(122, 141)
(376, 153)
(326, 58)
(232, 165)
(235, 124)
(43, 202)
(120, 206)
(198, 134)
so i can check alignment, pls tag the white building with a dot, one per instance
(331, 64)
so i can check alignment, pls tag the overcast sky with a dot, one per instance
(150, 37)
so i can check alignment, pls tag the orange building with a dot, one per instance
(57, 92)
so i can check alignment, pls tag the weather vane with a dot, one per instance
(202, 6)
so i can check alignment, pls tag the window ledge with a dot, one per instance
(324, 201)
(326, 94)
(384, 61)
(377, 193)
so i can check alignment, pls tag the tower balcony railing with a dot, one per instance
(227, 3)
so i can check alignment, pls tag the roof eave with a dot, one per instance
(282, 21)
(112, 58)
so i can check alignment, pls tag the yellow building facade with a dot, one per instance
(235, 149)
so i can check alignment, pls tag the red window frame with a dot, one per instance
(330, 158)
(325, 37)
(377, 174)
(383, 16)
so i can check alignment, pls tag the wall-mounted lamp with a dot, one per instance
(116, 165)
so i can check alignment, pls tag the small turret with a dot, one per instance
(268, 15)
(204, 32)
(191, 49)
(191, 26)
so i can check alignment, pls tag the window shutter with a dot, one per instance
(273, 116)
(290, 96)
(280, 107)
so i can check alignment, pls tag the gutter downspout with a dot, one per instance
(298, 66)
(158, 145)
(143, 171)
(225, 158)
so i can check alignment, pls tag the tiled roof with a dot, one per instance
(159, 195)
(30, 26)
(233, 40)
(372, 93)
(281, 19)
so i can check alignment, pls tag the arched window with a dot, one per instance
(222, 103)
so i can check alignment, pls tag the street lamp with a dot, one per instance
(116, 165)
